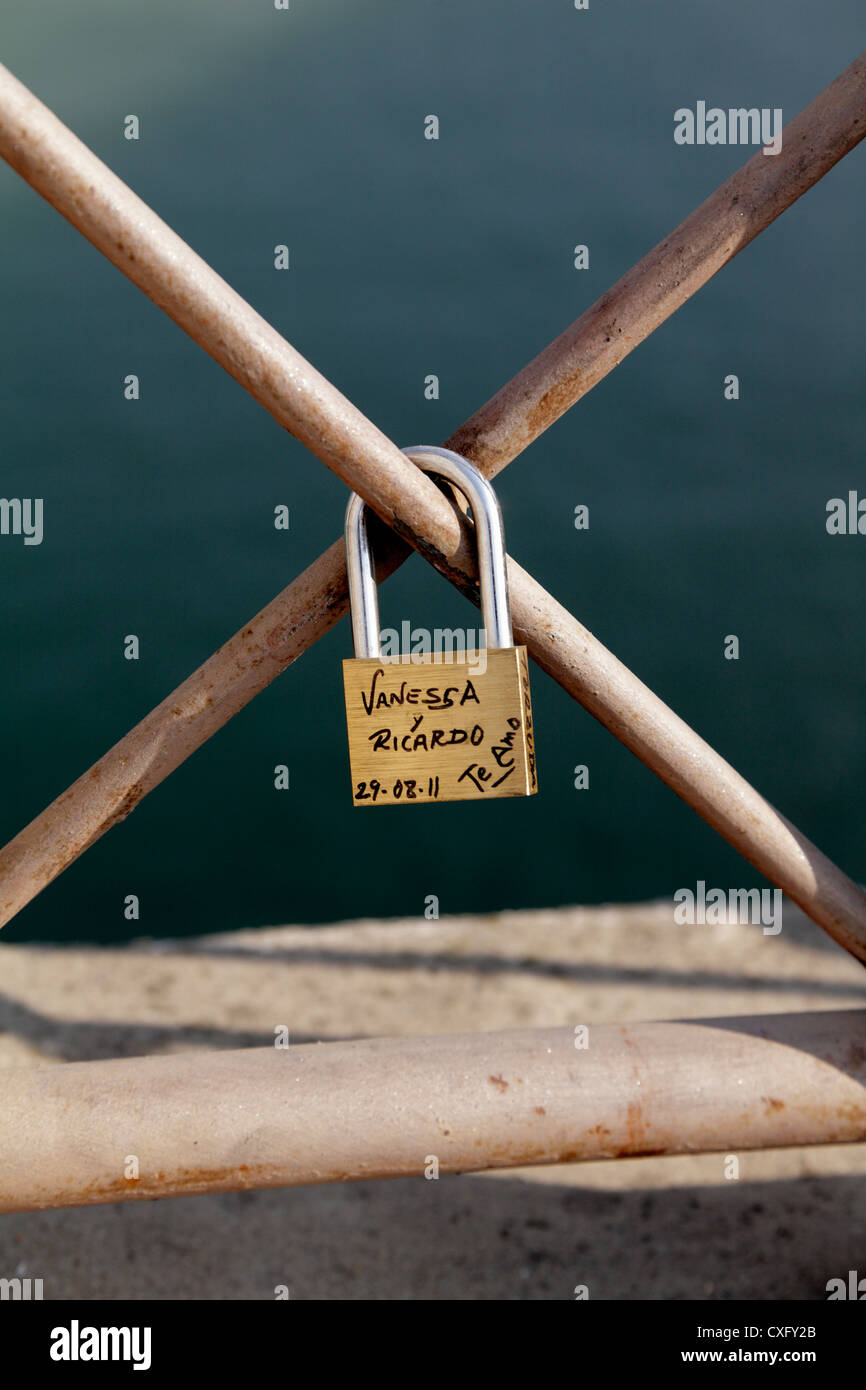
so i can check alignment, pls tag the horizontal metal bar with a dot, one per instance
(88, 1132)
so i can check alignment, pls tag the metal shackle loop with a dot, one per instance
(490, 539)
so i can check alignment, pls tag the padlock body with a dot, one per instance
(423, 728)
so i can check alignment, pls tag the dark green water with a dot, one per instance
(412, 257)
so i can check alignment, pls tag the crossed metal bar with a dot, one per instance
(702, 1085)
(124, 229)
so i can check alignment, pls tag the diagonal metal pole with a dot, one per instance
(742, 207)
(116, 221)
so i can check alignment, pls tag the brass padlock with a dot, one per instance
(424, 726)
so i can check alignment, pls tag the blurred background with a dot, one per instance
(411, 257)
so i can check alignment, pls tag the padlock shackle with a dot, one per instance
(490, 537)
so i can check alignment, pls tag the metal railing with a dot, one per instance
(125, 230)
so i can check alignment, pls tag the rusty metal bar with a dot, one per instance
(60, 167)
(57, 163)
(389, 1107)
(568, 651)
(816, 139)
